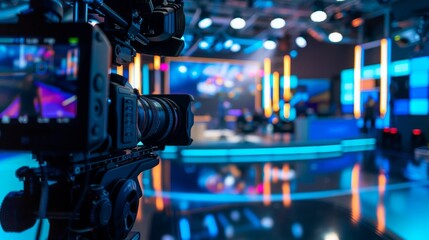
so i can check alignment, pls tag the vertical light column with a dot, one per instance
(357, 80)
(156, 68)
(286, 86)
(276, 92)
(146, 85)
(137, 73)
(286, 78)
(131, 73)
(267, 88)
(384, 75)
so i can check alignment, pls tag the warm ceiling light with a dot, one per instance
(270, 44)
(278, 23)
(301, 42)
(205, 23)
(237, 23)
(335, 37)
(318, 16)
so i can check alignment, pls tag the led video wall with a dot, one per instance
(219, 86)
(409, 86)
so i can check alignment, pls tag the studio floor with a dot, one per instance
(359, 194)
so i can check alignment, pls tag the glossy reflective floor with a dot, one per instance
(360, 195)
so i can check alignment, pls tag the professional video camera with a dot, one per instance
(90, 131)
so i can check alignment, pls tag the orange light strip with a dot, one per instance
(157, 186)
(384, 76)
(131, 73)
(120, 70)
(357, 79)
(286, 110)
(276, 91)
(267, 184)
(140, 210)
(267, 88)
(381, 210)
(286, 78)
(275, 171)
(356, 212)
(156, 62)
(287, 201)
(137, 73)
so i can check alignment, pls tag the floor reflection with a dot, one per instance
(355, 196)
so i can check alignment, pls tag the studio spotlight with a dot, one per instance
(228, 43)
(205, 23)
(237, 23)
(335, 37)
(235, 47)
(270, 44)
(301, 41)
(319, 14)
(278, 23)
(204, 45)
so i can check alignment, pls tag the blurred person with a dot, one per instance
(28, 97)
(369, 115)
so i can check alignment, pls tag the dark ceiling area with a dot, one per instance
(358, 21)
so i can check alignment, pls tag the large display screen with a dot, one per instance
(220, 87)
(38, 80)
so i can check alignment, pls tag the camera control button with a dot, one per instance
(98, 83)
(98, 108)
(95, 130)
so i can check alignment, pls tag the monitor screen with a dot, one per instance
(38, 80)
(220, 87)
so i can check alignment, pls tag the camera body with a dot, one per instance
(83, 124)
(81, 108)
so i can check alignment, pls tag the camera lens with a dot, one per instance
(158, 119)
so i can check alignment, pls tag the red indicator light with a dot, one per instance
(417, 132)
(393, 130)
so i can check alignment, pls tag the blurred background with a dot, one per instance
(311, 122)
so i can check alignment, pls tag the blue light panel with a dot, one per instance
(419, 106)
(402, 107)
(419, 79)
(421, 92)
(400, 68)
(419, 64)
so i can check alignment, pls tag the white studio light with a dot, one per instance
(335, 37)
(278, 23)
(270, 44)
(301, 42)
(235, 47)
(237, 23)
(205, 23)
(228, 43)
(318, 16)
(204, 44)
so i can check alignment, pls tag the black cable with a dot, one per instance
(44, 194)
(81, 197)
